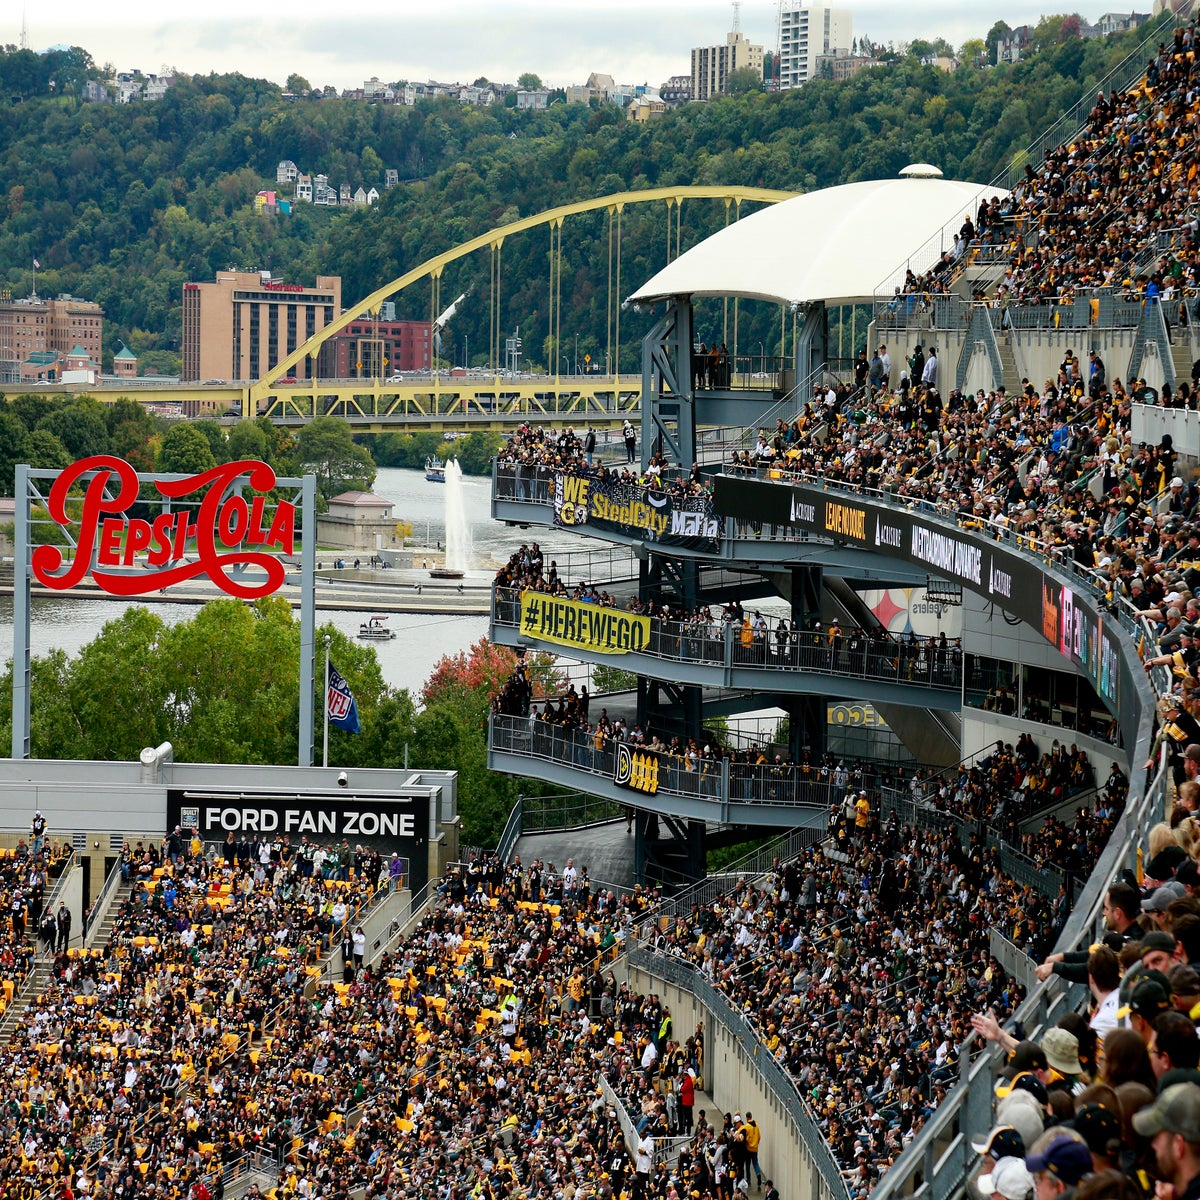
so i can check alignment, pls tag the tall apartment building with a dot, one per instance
(246, 322)
(712, 65)
(37, 336)
(808, 34)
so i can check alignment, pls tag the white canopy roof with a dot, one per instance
(842, 245)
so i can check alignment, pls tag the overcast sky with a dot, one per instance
(635, 41)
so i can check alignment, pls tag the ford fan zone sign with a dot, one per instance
(224, 531)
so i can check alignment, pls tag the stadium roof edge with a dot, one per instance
(835, 245)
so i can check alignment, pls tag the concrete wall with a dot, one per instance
(1183, 426)
(1037, 352)
(731, 1079)
(103, 797)
(983, 729)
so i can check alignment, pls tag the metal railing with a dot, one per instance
(666, 1150)
(552, 814)
(95, 914)
(718, 780)
(772, 1073)
(610, 564)
(920, 662)
(418, 901)
(34, 978)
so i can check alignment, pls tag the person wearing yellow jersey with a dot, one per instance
(753, 1139)
(862, 814)
(575, 990)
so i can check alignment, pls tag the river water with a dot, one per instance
(408, 659)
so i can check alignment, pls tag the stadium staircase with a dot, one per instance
(1008, 362)
(100, 931)
(39, 973)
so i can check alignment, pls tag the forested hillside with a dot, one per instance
(122, 204)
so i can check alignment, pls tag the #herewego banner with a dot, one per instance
(635, 509)
(1066, 618)
(584, 626)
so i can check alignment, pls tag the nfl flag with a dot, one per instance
(339, 702)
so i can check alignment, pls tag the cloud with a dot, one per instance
(635, 41)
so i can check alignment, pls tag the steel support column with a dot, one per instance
(668, 849)
(812, 339)
(668, 402)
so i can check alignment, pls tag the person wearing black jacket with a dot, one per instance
(1122, 908)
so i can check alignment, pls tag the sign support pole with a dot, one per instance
(21, 664)
(308, 616)
(325, 708)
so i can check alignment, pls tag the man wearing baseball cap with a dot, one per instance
(1059, 1160)
(1148, 1002)
(1172, 1123)
(1004, 1141)
(1007, 1180)
(1061, 1048)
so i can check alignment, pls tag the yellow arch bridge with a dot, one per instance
(457, 400)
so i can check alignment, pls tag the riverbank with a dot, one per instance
(364, 590)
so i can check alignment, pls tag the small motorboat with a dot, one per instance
(435, 470)
(376, 630)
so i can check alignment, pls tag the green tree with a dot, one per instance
(185, 451)
(117, 697)
(46, 451)
(607, 679)
(221, 687)
(298, 85)
(743, 81)
(371, 166)
(15, 447)
(215, 437)
(327, 449)
(972, 52)
(81, 427)
(246, 441)
(999, 31)
(529, 82)
(476, 451)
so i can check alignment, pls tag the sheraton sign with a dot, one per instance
(223, 532)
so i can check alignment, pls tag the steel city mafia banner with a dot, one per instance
(635, 509)
(1067, 619)
(583, 626)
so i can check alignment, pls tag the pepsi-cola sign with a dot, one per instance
(209, 539)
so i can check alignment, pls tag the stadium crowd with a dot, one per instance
(1085, 229)
(463, 1063)
(217, 1020)
(864, 1005)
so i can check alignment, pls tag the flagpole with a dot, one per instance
(325, 705)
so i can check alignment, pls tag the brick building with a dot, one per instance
(368, 349)
(38, 335)
(244, 323)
